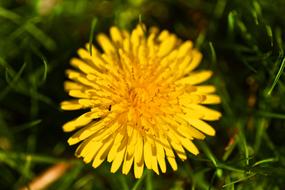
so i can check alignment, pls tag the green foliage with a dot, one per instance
(241, 41)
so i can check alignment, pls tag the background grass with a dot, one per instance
(242, 41)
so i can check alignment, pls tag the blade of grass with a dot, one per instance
(13, 82)
(213, 53)
(242, 143)
(208, 153)
(148, 181)
(240, 180)
(25, 126)
(268, 160)
(219, 8)
(262, 124)
(271, 115)
(34, 31)
(276, 79)
(139, 182)
(122, 179)
(92, 32)
(6, 156)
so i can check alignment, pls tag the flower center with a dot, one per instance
(139, 96)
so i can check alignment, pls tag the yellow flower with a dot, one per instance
(142, 99)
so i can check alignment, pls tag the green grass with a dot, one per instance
(242, 42)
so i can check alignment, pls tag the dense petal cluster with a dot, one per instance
(144, 102)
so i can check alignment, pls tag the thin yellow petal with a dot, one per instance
(127, 165)
(105, 43)
(191, 98)
(196, 78)
(89, 46)
(202, 126)
(68, 85)
(163, 35)
(87, 131)
(195, 61)
(83, 66)
(102, 153)
(117, 162)
(147, 153)
(169, 153)
(179, 150)
(117, 142)
(89, 150)
(212, 99)
(208, 114)
(185, 48)
(138, 169)
(161, 157)
(167, 46)
(206, 89)
(79, 122)
(116, 35)
(190, 132)
(189, 145)
(139, 150)
(70, 105)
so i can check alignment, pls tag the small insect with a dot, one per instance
(110, 107)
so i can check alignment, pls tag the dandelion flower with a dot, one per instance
(143, 100)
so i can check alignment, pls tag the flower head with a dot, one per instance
(144, 102)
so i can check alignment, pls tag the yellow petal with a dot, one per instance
(191, 98)
(184, 48)
(189, 145)
(172, 162)
(89, 46)
(68, 85)
(212, 99)
(169, 153)
(105, 43)
(151, 44)
(138, 158)
(136, 38)
(78, 122)
(205, 89)
(132, 140)
(190, 114)
(163, 35)
(87, 131)
(160, 157)
(179, 150)
(116, 35)
(166, 46)
(195, 78)
(102, 153)
(89, 150)
(139, 150)
(202, 126)
(190, 132)
(117, 142)
(78, 94)
(83, 66)
(208, 114)
(118, 159)
(76, 76)
(70, 105)
(138, 169)
(196, 60)
(127, 165)
(127, 45)
(147, 153)
(87, 103)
